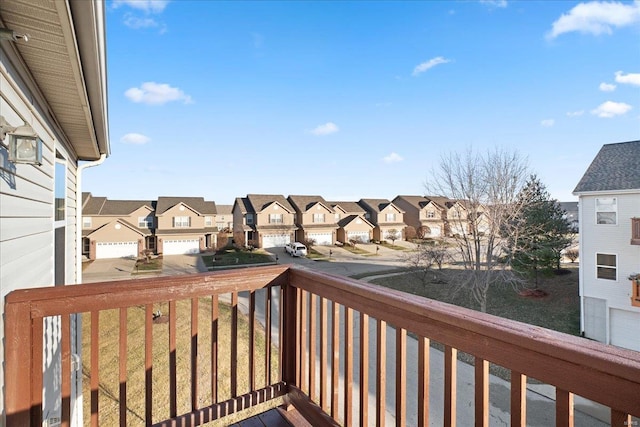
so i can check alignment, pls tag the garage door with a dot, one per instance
(363, 235)
(321, 238)
(625, 329)
(436, 231)
(275, 240)
(116, 250)
(179, 247)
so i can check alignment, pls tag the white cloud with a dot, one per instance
(596, 18)
(135, 138)
(575, 113)
(610, 109)
(607, 87)
(149, 6)
(630, 78)
(137, 23)
(494, 3)
(547, 123)
(325, 129)
(421, 68)
(393, 158)
(153, 93)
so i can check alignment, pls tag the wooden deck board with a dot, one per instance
(271, 418)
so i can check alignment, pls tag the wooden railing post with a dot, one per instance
(18, 377)
(290, 331)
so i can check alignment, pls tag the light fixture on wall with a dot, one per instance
(24, 144)
(7, 34)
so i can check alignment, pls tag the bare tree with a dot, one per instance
(572, 254)
(392, 235)
(427, 256)
(486, 187)
(422, 232)
(410, 232)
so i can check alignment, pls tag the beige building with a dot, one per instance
(263, 220)
(386, 218)
(426, 215)
(352, 225)
(315, 219)
(185, 225)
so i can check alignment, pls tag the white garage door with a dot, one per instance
(436, 231)
(625, 329)
(321, 238)
(363, 235)
(116, 250)
(179, 247)
(275, 240)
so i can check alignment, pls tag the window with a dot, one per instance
(145, 221)
(390, 217)
(337, 217)
(318, 217)
(635, 231)
(181, 221)
(275, 218)
(607, 210)
(208, 221)
(86, 222)
(431, 214)
(455, 214)
(606, 266)
(249, 218)
(60, 190)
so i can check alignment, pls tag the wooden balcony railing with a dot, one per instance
(319, 334)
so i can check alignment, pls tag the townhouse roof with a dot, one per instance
(416, 201)
(102, 206)
(349, 207)
(304, 203)
(259, 202)
(616, 167)
(224, 209)
(196, 203)
(443, 202)
(349, 219)
(377, 205)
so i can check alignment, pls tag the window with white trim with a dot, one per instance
(318, 217)
(181, 221)
(145, 221)
(431, 214)
(606, 266)
(86, 222)
(607, 210)
(275, 219)
(208, 221)
(390, 217)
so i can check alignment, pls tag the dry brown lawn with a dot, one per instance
(109, 361)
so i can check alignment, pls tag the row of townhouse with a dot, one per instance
(273, 220)
(179, 225)
(168, 225)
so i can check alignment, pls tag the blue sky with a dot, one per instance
(358, 99)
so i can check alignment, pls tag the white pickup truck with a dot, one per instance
(296, 249)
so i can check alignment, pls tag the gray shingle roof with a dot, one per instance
(261, 201)
(196, 203)
(615, 167)
(349, 207)
(304, 203)
(104, 206)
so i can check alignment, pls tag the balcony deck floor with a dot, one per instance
(275, 418)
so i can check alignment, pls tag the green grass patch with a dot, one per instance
(356, 250)
(315, 255)
(233, 257)
(154, 264)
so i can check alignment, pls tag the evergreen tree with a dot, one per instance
(539, 233)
